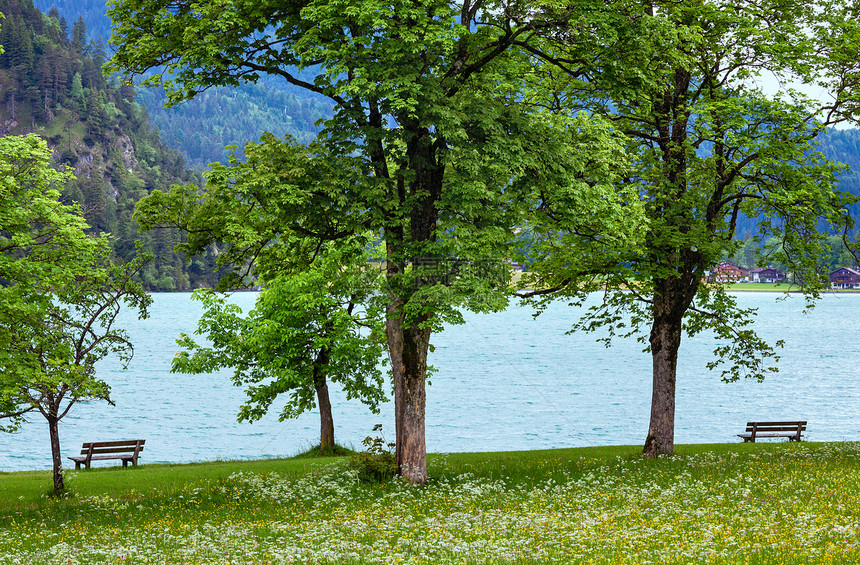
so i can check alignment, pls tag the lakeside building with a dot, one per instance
(726, 271)
(767, 275)
(845, 277)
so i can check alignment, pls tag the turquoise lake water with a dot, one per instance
(504, 382)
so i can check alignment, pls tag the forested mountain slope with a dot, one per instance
(202, 128)
(51, 84)
(841, 145)
(844, 146)
(92, 12)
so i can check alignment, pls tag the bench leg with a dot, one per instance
(77, 465)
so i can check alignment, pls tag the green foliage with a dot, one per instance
(40, 236)
(317, 451)
(376, 463)
(258, 209)
(279, 220)
(39, 247)
(433, 139)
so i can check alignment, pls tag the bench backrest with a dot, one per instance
(107, 447)
(798, 426)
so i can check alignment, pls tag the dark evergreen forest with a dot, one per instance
(51, 84)
(202, 128)
(844, 146)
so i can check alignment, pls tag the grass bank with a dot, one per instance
(779, 287)
(761, 287)
(755, 503)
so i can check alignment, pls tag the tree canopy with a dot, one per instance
(40, 241)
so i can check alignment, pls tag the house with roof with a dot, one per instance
(726, 271)
(845, 277)
(767, 275)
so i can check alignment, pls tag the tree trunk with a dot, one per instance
(54, 429)
(407, 343)
(408, 350)
(326, 419)
(665, 342)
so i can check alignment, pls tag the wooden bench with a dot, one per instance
(101, 450)
(791, 430)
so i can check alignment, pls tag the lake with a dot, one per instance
(504, 381)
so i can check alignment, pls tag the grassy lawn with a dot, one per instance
(754, 503)
(761, 287)
(774, 287)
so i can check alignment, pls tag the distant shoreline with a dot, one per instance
(747, 287)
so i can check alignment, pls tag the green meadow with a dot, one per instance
(777, 287)
(736, 503)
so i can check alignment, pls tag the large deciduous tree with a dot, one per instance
(708, 147)
(429, 112)
(60, 297)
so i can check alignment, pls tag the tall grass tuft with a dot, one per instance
(328, 451)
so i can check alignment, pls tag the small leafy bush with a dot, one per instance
(376, 463)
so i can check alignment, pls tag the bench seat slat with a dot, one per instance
(781, 423)
(104, 457)
(103, 451)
